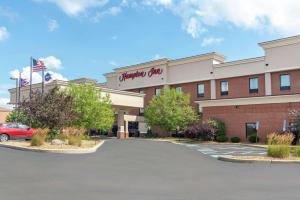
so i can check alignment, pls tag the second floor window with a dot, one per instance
(224, 88)
(178, 89)
(157, 91)
(253, 85)
(200, 90)
(285, 83)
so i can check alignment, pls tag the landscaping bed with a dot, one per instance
(47, 145)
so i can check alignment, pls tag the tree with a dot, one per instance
(21, 117)
(52, 110)
(94, 109)
(295, 116)
(170, 110)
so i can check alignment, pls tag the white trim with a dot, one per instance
(280, 42)
(239, 62)
(250, 101)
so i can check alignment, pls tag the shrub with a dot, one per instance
(235, 139)
(72, 131)
(61, 137)
(253, 138)
(221, 138)
(74, 140)
(37, 141)
(150, 134)
(279, 151)
(200, 131)
(39, 137)
(296, 152)
(218, 125)
(280, 139)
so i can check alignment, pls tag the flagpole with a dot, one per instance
(30, 90)
(43, 78)
(20, 85)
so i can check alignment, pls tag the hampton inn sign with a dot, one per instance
(140, 74)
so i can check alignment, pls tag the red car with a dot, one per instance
(10, 131)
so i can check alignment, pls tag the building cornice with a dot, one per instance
(197, 58)
(239, 62)
(280, 42)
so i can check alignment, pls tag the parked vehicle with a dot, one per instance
(10, 131)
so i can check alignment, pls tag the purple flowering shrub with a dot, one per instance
(201, 131)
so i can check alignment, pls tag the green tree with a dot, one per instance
(94, 109)
(21, 117)
(170, 110)
(52, 110)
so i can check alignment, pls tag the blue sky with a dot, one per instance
(86, 38)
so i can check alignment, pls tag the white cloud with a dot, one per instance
(4, 103)
(52, 62)
(157, 57)
(211, 41)
(113, 63)
(4, 34)
(112, 11)
(76, 7)
(52, 25)
(36, 77)
(8, 13)
(267, 15)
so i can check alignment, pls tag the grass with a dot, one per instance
(279, 151)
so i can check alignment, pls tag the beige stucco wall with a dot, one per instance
(3, 115)
(154, 80)
(283, 57)
(190, 72)
(239, 68)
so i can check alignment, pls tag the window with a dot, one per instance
(22, 126)
(285, 83)
(157, 91)
(178, 89)
(142, 110)
(200, 90)
(253, 85)
(251, 129)
(224, 88)
(142, 92)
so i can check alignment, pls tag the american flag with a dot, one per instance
(38, 65)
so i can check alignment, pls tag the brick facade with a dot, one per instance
(239, 87)
(269, 116)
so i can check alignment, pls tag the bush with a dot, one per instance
(150, 134)
(61, 137)
(279, 151)
(39, 137)
(221, 138)
(235, 139)
(253, 138)
(37, 141)
(201, 131)
(72, 131)
(218, 125)
(280, 139)
(74, 140)
(296, 152)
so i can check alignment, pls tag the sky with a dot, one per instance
(87, 38)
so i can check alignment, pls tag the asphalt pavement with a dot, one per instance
(141, 170)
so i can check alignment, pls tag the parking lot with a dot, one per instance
(141, 169)
(216, 150)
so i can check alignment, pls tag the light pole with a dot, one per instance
(17, 85)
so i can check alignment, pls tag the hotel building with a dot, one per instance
(254, 94)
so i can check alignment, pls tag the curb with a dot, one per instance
(234, 160)
(62, 151)
(250, 145)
